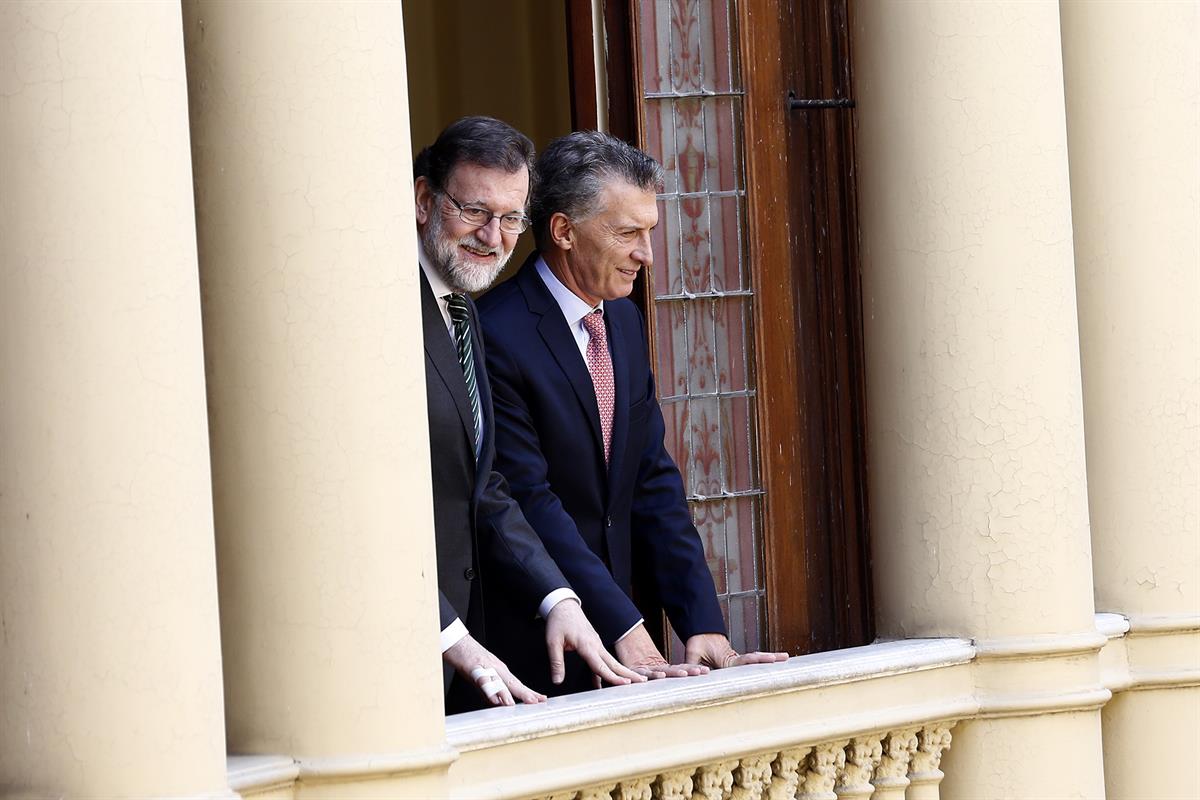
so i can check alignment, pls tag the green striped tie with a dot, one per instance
(461, 318)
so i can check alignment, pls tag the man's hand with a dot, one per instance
(475, 663)
(568, 629)
(714, 650)
(637, 651)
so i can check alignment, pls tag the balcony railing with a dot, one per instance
(867, 722)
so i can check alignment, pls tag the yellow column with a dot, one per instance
(1133, 88)
(978, 484)
(316, 388)
(110, 668)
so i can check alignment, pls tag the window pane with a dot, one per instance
(703, 300)
(710, 522)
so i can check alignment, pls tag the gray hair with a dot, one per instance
(573, 170)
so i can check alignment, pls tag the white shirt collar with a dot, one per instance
(573, 307)
(436, 283)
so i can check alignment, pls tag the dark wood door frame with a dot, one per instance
(826, 316)
(620, 61)
(786, 469)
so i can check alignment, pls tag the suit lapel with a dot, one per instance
(558, 339)
(444, 357)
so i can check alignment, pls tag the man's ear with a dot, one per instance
(562, 231)
(424, 196)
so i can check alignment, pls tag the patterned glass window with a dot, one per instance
(692, 104)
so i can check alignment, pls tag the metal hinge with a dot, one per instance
(835, 102)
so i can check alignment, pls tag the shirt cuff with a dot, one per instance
(452, 634)
(554, 598)
(626, 633)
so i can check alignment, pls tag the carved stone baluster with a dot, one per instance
(634, 789)
(821, 768)
(785, 780)
(891, 776)
(675, 785)
(854, 778)
(752, 777)
(924, 775)
(714, 781)
(602, 792)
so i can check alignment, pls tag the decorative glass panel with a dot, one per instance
(703, 301)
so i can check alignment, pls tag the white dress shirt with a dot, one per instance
(441, 289)
(573, 307)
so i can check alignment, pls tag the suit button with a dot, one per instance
(608, 522)
(469, 573)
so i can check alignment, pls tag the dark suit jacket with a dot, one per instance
(592, 518)
(485, 547)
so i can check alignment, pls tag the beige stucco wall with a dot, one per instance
(1133, 117)
(316, 382)
(1150, 743)
(994, 760)
(1133, 112)
(976, 441)
(978, 490)
(110, 671)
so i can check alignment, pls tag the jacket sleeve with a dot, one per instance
(505, 534)
(446, 611)
(605, 603)
(662, 527)
(513, 545)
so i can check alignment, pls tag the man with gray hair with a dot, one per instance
(579, 433)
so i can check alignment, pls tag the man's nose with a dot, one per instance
(489, 234)
(644, 253)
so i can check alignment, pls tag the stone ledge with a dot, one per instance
(1042, 646)
(815, 698)
(1150, 652)
(260, 773)
(618, 704)
(375, 765)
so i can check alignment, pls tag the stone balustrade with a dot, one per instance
(868, 722)
(893, 765)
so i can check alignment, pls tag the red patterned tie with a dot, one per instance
(599, 363)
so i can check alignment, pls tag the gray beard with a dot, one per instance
(455, 271)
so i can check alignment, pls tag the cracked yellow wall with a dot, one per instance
(320, 448)
(978, 487)
(1133, 94)
(975, 425)
(110, 671)
(1133, 118)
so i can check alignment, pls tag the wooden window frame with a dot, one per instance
(813, 278)
(807, 299)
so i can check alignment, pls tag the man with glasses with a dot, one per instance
(472, 186)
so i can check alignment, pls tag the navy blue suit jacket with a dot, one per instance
(592, 518)
(485, 547)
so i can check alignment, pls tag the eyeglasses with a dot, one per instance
(474, 215)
